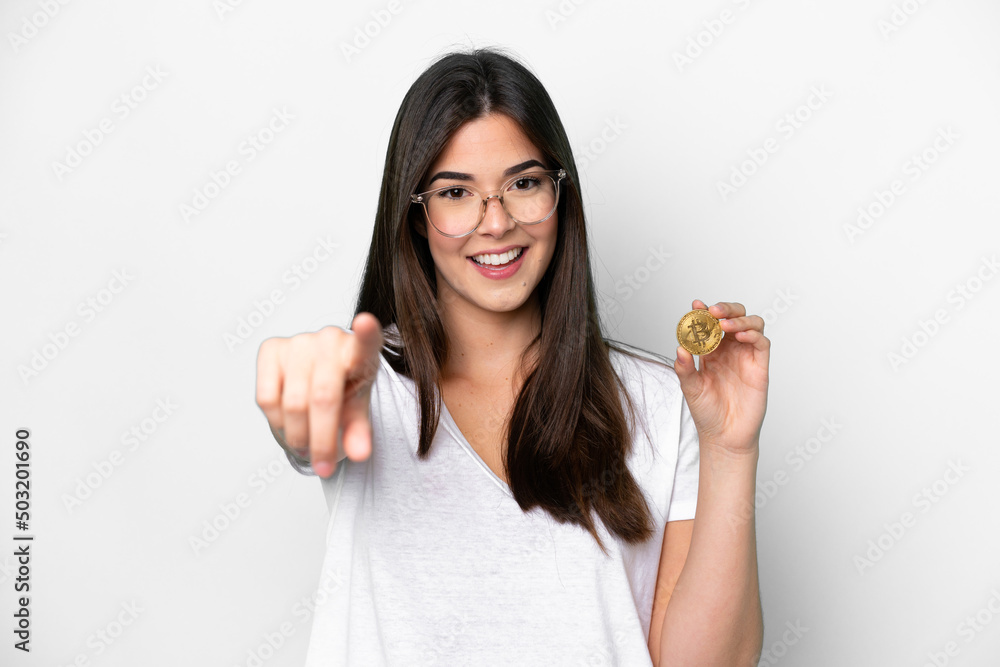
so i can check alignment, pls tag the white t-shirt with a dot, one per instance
(434, 563)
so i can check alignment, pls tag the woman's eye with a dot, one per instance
(526, 183)
(453, 193)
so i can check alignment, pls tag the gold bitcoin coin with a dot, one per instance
(699, 333)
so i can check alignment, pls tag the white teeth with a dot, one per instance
(498, 260)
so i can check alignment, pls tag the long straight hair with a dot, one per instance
(567, 437)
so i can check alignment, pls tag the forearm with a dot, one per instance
(714, 615)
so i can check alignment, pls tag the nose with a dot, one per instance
(496, 222)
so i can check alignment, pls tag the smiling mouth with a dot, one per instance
(498, 260)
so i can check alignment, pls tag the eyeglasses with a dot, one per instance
(457, 210)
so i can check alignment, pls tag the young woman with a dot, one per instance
(492, 499)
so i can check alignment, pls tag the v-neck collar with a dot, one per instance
(452, 426)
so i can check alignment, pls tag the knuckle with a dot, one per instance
(266, 347)
(294, 403)
(303, 341)
(323, 395)
(330, 334)
(271, 348)
(265, 399)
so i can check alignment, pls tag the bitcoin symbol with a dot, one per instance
(699, 332)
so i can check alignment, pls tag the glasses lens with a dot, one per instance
(454, 211)
(529, 199)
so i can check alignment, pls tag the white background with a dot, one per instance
(837, 304)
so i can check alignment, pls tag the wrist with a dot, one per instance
(728, 457)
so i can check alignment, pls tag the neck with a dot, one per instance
(483, 344)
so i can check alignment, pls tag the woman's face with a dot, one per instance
(485, 150)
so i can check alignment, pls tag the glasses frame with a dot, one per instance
(557, 175)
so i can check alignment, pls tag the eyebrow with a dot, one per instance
(460, 176)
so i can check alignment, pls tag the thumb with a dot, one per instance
(686, 371)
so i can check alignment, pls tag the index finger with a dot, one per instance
(728, 309)
(362, 357)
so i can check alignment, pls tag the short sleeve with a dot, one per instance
(684, 497)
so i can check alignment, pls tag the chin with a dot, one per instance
(505, 305)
